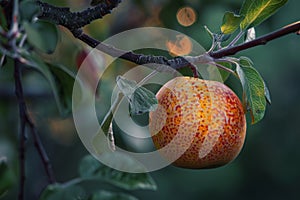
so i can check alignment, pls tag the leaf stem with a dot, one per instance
(106, 124)
(112, 110)
(234, 41)
(144, 80)
(223, 68)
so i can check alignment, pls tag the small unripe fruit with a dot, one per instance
(198, 123)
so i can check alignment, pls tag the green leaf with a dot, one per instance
(143, 119)
(139, 119)
(104, 149)
(247, 62)
(254, 89)
(28, 10)
(64, 80)
(256, 11)
(42, 35)
(61, 81)
(92, 169)
(107, 195)
(250, 35)
(62, 192)
(231, 22)
(7, 177)
(140, 99)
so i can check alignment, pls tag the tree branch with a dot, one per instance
(41, 150)
(140, 59)
(22, 136)
(74, 20)
(25, 119)
(292, 28)
(180, 62)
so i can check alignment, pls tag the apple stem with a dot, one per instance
(194, 70)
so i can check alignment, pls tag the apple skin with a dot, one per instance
(198, 123)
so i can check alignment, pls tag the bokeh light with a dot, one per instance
(182, 46)
(186, 16)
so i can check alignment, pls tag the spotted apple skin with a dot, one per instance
(198, 123)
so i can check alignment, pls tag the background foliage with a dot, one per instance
(267, 167)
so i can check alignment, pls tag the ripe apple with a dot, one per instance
(198, 123)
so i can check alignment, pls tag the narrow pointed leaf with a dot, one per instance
(64, 80)
(256, 11)
(60, 79)
(231, 22)
(254, 89)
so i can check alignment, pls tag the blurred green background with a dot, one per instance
(268, 166)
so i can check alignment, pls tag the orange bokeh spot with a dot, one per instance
(186, 16)
(182, 46)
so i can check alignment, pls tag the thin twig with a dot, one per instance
(15, 18)
(21, 102)
(292, 28)
(41, 151)
(25, 119)
(22, 136)
(23, 40)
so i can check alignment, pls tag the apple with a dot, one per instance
(198, 123)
